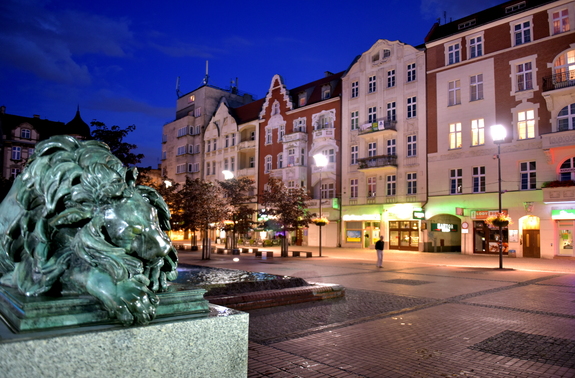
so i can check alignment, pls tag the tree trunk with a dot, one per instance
(206, 245)
(284, 244)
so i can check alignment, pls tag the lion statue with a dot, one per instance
(75, 222)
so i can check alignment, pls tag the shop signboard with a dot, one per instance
(443, 227)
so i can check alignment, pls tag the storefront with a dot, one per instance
(565, 228)
(404, 235)
(361, 233)
(485, 237)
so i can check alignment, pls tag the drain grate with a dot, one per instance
(402, 281)
(526, 346)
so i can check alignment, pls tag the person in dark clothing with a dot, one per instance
(379, 246)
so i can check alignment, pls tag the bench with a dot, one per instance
(249, 250)
(264, 254)
(300, 253)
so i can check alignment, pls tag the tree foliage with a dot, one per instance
(287, 206)
(238, 193)
(170, 194)
(114, 138)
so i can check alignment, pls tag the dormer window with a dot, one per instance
(375, 57)
(386, 53)
(515, 7)
(326, 92)
(25, 134)
(192, 98)
(276, 108)
(302, 100)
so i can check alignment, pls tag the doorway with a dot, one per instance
(531, 245)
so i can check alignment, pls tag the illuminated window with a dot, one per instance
(477, 132)
(455, 135)
(526, 124)
(561, 21)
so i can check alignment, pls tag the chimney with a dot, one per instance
(36, 115)
(2, 109)
(327, 73)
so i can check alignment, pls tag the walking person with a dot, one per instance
(379, 245)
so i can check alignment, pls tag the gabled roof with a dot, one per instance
(44, 127)
(481, 18)
(248, 112)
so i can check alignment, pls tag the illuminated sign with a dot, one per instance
(418, 215)
(483, 214)
(563, 214)
(443, 227)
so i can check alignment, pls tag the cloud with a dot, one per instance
(433, 9)
(107, 101)
(49, 43)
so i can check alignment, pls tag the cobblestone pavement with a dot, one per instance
(422, 315)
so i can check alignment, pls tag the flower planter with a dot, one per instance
(498, 223)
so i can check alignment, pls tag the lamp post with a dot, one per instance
(320, 161)
(498, 133)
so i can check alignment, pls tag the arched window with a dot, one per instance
(566, 118)
(567, 170)
(564, 67)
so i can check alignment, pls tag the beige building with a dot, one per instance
(183, 139)
(511, 65)
(383, 140)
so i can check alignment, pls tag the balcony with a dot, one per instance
(559, 194)
(294, 137)
(380, 161)
(381, 124)
(246, 172)
(565, 138)
(559, 81)
(246, 144)
(326, 203)
(328, 133)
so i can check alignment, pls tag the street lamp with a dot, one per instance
(228, 175)
(320, 162)
(498, 133)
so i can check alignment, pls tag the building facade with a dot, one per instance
(294, 126)
(511, 65)
(383, 123)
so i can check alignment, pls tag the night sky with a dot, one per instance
(119, 60)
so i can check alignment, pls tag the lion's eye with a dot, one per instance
(137, 230)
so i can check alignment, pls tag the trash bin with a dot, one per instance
(512, 253)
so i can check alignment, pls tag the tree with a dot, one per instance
(202, 202)
(237, 192)
(287, 206)
(114, 138)
(168, 189)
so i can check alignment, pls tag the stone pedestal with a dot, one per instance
(214, 345)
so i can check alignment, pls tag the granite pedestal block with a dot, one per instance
(215, 345)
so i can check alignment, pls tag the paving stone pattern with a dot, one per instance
(462, 322)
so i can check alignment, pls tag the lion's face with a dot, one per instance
(132, 224)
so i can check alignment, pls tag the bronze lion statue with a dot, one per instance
(75, 222)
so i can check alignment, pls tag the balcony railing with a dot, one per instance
(558, 81)
(378, 161)
(294, 137)
(247, 144)
(324, 133)
(380, 125)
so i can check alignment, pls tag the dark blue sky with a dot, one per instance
(119, 60)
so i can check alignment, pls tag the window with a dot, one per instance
(475, 47)
(456, 181)
(190, 149)
(291, 157)
(252, 162)
(268, 164)
(183, 131)
(268, 136)
(372, 114)
(232, 164)
(372, 84)
(371, 186)
(411, 107)
(323, 122)
(455, 135)
(181, 168)
(213, 168)
(281, 133)
(375, 57)
(561, 21)
(354, 89)
(233, 139)
(276, 108)
(478, 179)
(454, 93)
(353, 188)
(208, 146)
(227, 141)
(412, 183)
(198, 112)
(386, 53)
(411, 72)
(391, 147)
(372, 149)
(226, 165)
(524, 76)
(328, 190)
(564, 68)
(208, 165)
(476, 87)
(390, 185)
(25, 133)
(522, 32)
(325, 92)
(411, 145)
(391, 111)
(215, 144)
(567, 170)
(330, 154)
(526, 124)
(528, 175)
(354, 154)
(391, 78)
(566, 118)
(16, 153)
(355, 120)
(14, 172)
(197, 148)
(280, 160)
(453, 54)
(477, 132)
(302, 99)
